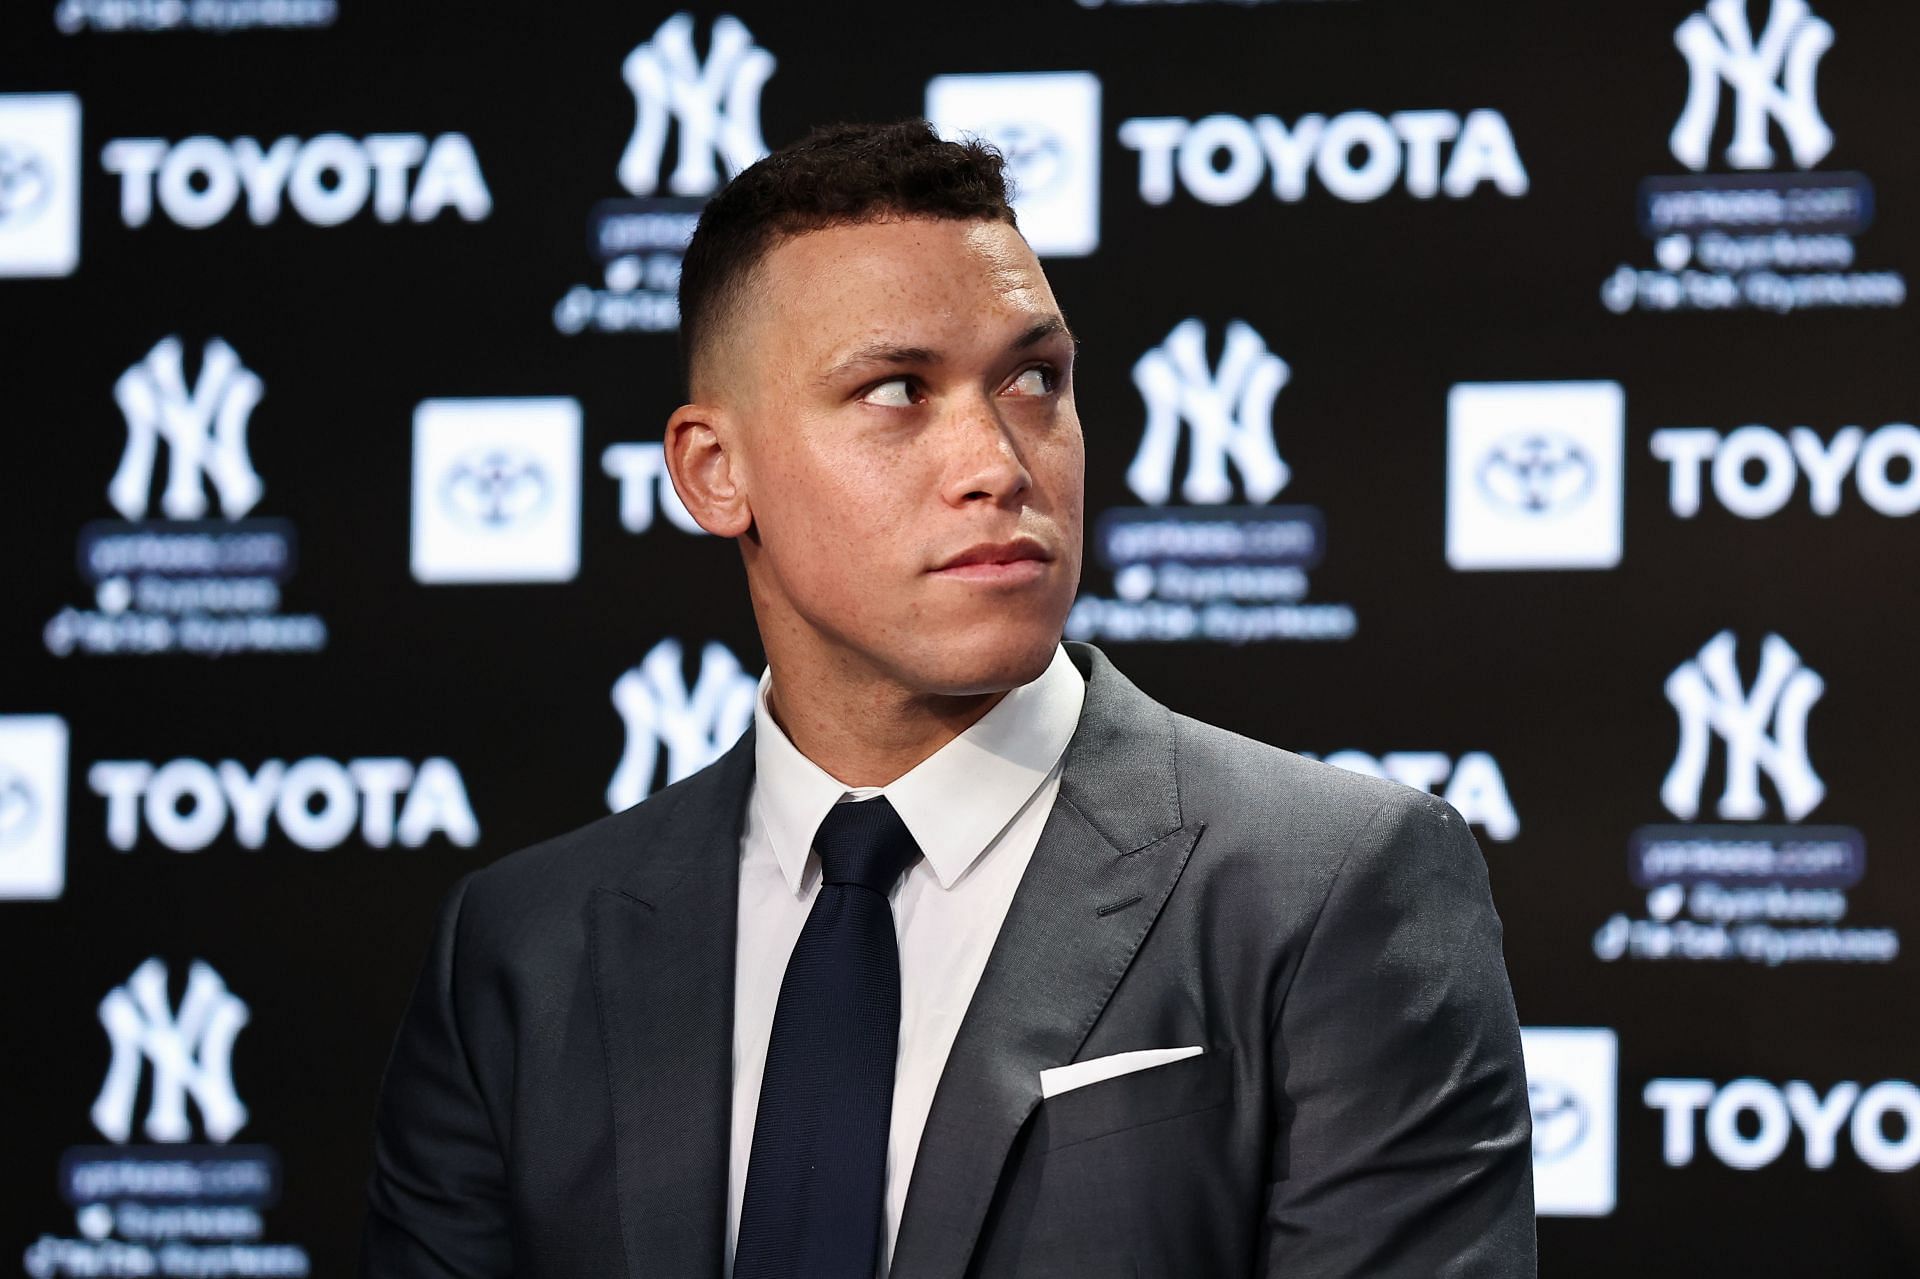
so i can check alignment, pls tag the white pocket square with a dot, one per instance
(1058, 1079)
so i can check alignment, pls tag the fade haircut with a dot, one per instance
(837, 175)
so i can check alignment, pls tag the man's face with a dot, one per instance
(910, 453)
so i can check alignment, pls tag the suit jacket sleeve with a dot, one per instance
(1404, 1138)
(437, 1200)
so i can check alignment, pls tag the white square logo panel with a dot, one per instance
(39, 184)
(1047, 125)
(33, 807)
(1535, 475)
(496, 490)
(1573, 1090)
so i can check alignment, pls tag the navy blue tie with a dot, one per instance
(816, 1181)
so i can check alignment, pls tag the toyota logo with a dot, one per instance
(1559, 1119)
(1033, 152)
(1537, 472)
(25, 183)
(495, 489)
(19, 808)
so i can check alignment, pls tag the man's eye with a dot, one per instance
(894, 393)
(1037, 380)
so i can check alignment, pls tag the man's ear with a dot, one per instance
(703, 459)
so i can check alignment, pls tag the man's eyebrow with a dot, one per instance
(1044, 329)
(889, 353)
(894, 354)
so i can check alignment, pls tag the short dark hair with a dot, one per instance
(837, 175)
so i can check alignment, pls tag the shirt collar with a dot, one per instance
(955, 803)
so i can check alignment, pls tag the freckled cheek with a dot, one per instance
(852, 517)
(1060, 465)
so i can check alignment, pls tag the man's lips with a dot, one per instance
(1019, 560)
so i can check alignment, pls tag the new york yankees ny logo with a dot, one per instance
(696, 726)
(191, 1053)
(716, 105)
(205, 429)
(1772, 79)
(1229, 411)
(1707, 695)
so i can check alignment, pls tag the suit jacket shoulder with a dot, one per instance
(1222, 769)
(1279, 817)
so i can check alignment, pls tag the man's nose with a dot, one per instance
(984, 459)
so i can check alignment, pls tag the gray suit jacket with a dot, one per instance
(558, 1101)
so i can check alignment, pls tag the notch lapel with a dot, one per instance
(662, 947)
(1108, 858)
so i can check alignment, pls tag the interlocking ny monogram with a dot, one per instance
(695, 726)
(717, 105)
(191, 1055)
(205, 431)
(1707, 694)
(1771, 80)
(1229, 411)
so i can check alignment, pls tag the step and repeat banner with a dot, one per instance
(1513, 400)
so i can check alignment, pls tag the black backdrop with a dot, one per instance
(1548, 685)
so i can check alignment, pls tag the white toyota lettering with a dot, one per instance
(1357, 156)
(327, 179)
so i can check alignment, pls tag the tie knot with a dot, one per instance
(864, 842)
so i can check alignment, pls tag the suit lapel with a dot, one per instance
(662, 949)
(1111, 851)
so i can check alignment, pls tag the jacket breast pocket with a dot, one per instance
(1133, 1100)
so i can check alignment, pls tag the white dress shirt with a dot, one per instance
(975, 807)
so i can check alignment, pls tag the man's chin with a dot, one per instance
(989, 659)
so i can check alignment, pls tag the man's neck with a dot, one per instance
(871, 733)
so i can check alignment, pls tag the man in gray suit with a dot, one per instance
(970, 959)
